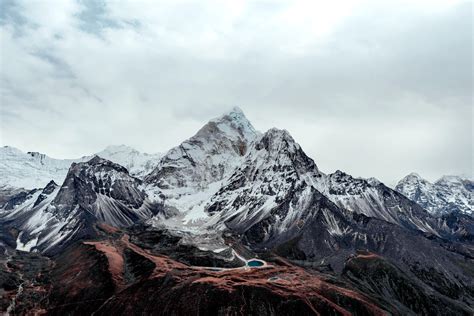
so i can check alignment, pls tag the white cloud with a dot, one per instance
(374, 88)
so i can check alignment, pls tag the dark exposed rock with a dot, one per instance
(163, 242)
(24, 282)
(48, 189)
(137, 267)
(85, 181)
(81, 282)
(396, 290)
(19, 198)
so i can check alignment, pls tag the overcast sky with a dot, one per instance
(373, 88)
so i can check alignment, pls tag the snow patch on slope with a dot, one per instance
(27, 246)
(30, 170)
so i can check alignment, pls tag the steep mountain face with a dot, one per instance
(23, 218)
(270, 202)
(459, 226)
(34, 170)
(450, 194)
(104, 188)
(94, 191)
(189, 174)
(277, 174)
(373, 199)
(273, 173)
(392, 288)
(324, 235)
(237, 188)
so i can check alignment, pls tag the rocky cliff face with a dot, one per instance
(94, 191)
(397, 291)
(208, 156)
(104, 189)
(273, 172)
(190, 173)
(373, 199)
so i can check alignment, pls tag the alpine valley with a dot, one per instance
(232, 221)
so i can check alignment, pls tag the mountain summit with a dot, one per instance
(189, 174)
(449, 194)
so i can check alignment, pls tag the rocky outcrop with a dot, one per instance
(397, 291)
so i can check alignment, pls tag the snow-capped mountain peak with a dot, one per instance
(446, 195)
(414, 177)
(137, 163)
(34, 170)
(189, 174)
(450, 180)
(30, 170)
(227, 177)
(276, 139)
(94, 191)
(214, 151)
(233, 125)
(114, 149)
(413, 186)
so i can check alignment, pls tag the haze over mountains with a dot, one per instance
(232, 192)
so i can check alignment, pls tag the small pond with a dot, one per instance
(255, 263)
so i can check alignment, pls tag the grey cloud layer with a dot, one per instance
(376, 89)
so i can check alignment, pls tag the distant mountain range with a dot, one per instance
(34, 170)
(224, 196)
(447, 195)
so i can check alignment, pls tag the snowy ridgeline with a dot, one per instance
(34, 170)
(447, 195)
(228, 175)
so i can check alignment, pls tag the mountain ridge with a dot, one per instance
(228, 194)
(32, 170)
(229, 175)
(446, 195)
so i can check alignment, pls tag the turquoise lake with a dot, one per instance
(254, 263)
